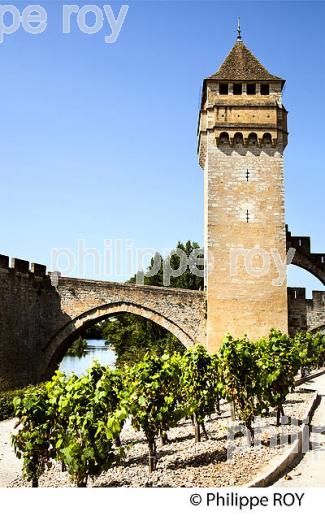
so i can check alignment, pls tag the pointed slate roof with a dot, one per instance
(241, 65)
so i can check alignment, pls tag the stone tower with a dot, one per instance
(241, 138)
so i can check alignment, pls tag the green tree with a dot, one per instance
(78, 348)
(186, 280)
(132, 336)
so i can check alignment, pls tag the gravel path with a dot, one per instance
(182, 463)
(310, 471)
(10, 466)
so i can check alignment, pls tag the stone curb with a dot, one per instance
(292, 455)
(317, 373)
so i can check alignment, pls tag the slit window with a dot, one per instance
(251, 88)
(223, 88)
(237, 89)
(265, 89)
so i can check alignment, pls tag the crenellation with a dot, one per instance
(20, 266)
(38, 269)
(4, 262)
(305, 313)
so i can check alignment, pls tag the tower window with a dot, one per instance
(238, 138)
(265, 89)
(251, 88)
(252, 139)
(237, 88)
(224, 138)
(223, 88)
(267, 139)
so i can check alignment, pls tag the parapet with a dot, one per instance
(296, 293)
(318, 299)
(302, 244)
(17, 265)
(4, 262)
(299, 293)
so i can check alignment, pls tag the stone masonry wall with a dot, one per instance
(316, 310)
(305, 314)
(29, 310)
(241, 143)
(238, 301)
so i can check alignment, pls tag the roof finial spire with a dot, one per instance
(238, 30)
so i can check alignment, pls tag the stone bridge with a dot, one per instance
(41, 314)
(84, 302)
(314, 263)
(306, 314)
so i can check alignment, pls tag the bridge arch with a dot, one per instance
(314, 263)
(307, 262)
(57, 346)
(320, 328)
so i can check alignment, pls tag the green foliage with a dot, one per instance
(78, 348)
(240, 378)
(199, 385)
(86, 406)
(278, 362)
(311, 349)
(7, 409)
(94, 331)
(77, 420)
(33, 440)
(131, 337)
(151, 397)
(257, 376)
(72, 420)
(186, 280)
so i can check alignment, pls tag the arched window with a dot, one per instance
(238, 138)
(267, 139)
(224, 138)
(252, 139)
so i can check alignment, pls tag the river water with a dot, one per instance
(96, 351)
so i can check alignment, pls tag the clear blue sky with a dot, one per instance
(98, 141)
